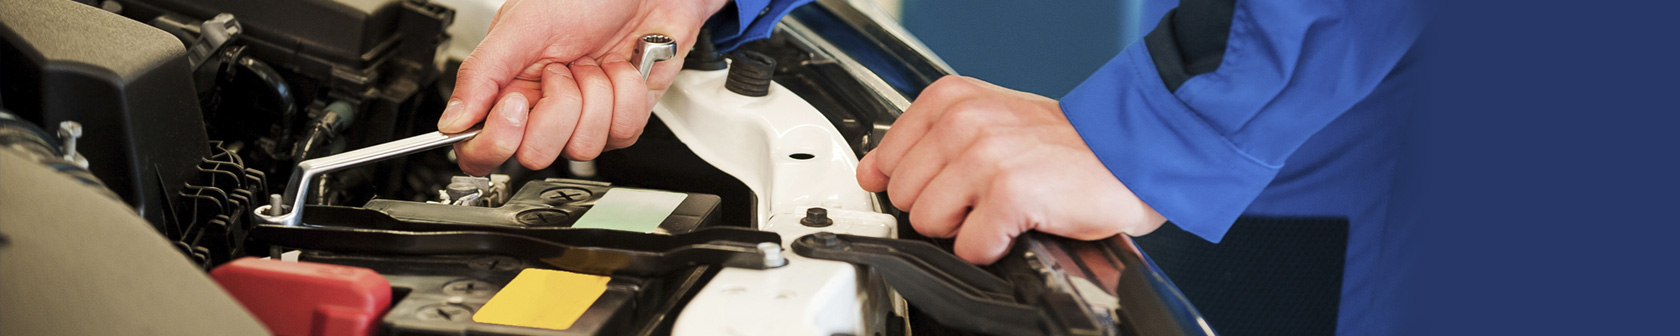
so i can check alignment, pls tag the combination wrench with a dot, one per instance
(287, 209)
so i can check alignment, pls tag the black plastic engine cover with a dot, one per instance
(346, 40)
(127, 83)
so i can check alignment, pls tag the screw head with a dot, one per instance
(541, 217)
(470, 287)
(564, 195)
(444, 312)
(498, 263)
(70, 128)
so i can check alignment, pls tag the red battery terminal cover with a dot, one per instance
(304, 298)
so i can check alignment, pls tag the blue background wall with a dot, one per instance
(1043, 47)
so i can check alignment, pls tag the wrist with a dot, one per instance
(710, 7)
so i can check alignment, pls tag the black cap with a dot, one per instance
(750, 74)
(705, 55)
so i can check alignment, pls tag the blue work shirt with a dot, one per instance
(1302, 117)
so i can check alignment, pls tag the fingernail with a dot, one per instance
(451, 112)
(514, 109)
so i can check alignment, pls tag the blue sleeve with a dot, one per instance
(1200, 152)
(744, 21)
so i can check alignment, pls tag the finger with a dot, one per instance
(876, 168)
(630, 104)
(500, 137)
(506, 6)
(916, 120)
(553, 119)
(987, 233)
(481, 78)
(928, 157)
(948, 199)
(590, 137)
(869, 177)
(915, 171)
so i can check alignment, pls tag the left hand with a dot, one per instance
(984, 164)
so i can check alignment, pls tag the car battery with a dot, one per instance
(439, 294)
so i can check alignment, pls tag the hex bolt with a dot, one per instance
(827, 239)
(653, 48)
(772, 254)
(68, 132)
(816, 217)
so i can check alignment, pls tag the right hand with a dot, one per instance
(554, 78)
(984, 164)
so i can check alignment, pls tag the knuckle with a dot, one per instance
(1007, 187)
(989, 148)
(963, 115)
(901, 202)
(951, 85)
(583, 149)
(932, 229)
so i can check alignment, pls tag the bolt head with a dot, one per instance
(71, 128)
(827, 239)
(816, 217)
(541, 217)
(564, 195)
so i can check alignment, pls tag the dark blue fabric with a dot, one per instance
(751, 20)
(1301, 118)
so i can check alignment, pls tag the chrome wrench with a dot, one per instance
(277, 212)
(650, 49)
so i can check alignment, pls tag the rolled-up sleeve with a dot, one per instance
(1198, 135)
(745, 21)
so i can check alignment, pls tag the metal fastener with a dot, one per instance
(444, 312)
(541, 217)
(470, 287)
(816, 217)
(827, 239)
(772, 254)
(499, 263)
(566, 195)
(69, 132)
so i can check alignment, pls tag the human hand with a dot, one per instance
(554, 77)
(984, 164)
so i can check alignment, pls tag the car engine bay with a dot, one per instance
(737, 211)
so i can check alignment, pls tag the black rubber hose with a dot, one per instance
(280, 91)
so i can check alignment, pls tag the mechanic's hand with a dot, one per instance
(984, 164)
(554, 77)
